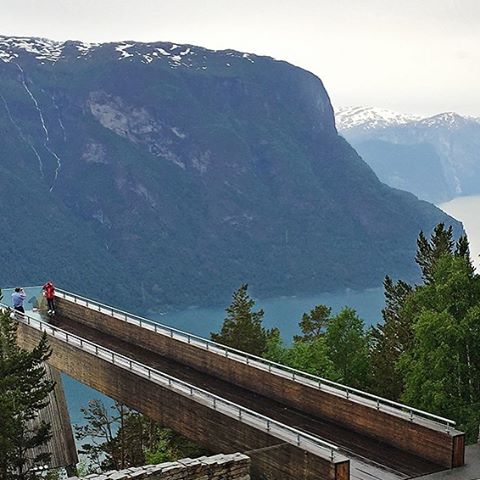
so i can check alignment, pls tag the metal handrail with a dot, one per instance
(295, 375)
(277, 429)
(13, 288)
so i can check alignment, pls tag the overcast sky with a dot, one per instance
(414, 56)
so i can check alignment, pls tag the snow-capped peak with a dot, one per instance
(12, 49)
(364, 119)
(41, 48)
(369, 118)
(450, 120)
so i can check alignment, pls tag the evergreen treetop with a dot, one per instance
(24, 390)
(242, 328)
(314, 323)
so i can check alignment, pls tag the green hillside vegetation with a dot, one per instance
(180, 180)
(426, 353)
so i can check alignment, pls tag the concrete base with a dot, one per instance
(470, 471)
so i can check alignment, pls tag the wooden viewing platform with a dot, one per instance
(292, 425)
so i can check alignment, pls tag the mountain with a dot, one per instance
(437, 158)
(359, 121)
(151, 174)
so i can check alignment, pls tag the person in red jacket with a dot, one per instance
(49, 293)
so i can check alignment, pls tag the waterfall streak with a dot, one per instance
(23, 137)
(60, 119)
(44, 126)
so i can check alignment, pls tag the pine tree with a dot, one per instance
(426, 351)
(402, 302)
(24, 390)
(99, 429)
(428, 252)
(462, 249)
(390, 339)
(314, 323)
(242, 328)
(118, 438)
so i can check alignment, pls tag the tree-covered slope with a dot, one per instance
(162, 174)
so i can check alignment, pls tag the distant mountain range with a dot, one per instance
(150, 174)
(437, 158)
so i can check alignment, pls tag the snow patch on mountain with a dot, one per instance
(369, 118)
(44, 50)
(40, 48)
(85, 47)
(450, 120)
(163, 52)
(122, 50)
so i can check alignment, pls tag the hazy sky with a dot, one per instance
(415, 56)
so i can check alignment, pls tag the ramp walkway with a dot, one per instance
(211, 375)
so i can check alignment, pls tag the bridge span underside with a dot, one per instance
(361, 455)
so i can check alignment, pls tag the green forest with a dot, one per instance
(426, 353)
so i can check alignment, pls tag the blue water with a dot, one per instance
(282, 312)
(466, 210)
(78, 395)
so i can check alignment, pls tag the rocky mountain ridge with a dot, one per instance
(51, 51)
(437, 158)
(369, 118)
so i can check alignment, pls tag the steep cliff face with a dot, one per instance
(166, 174)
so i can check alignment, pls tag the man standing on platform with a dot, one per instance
(18, 296)
(49, 293)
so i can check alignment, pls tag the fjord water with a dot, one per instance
(466, 209)
(281, 312)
